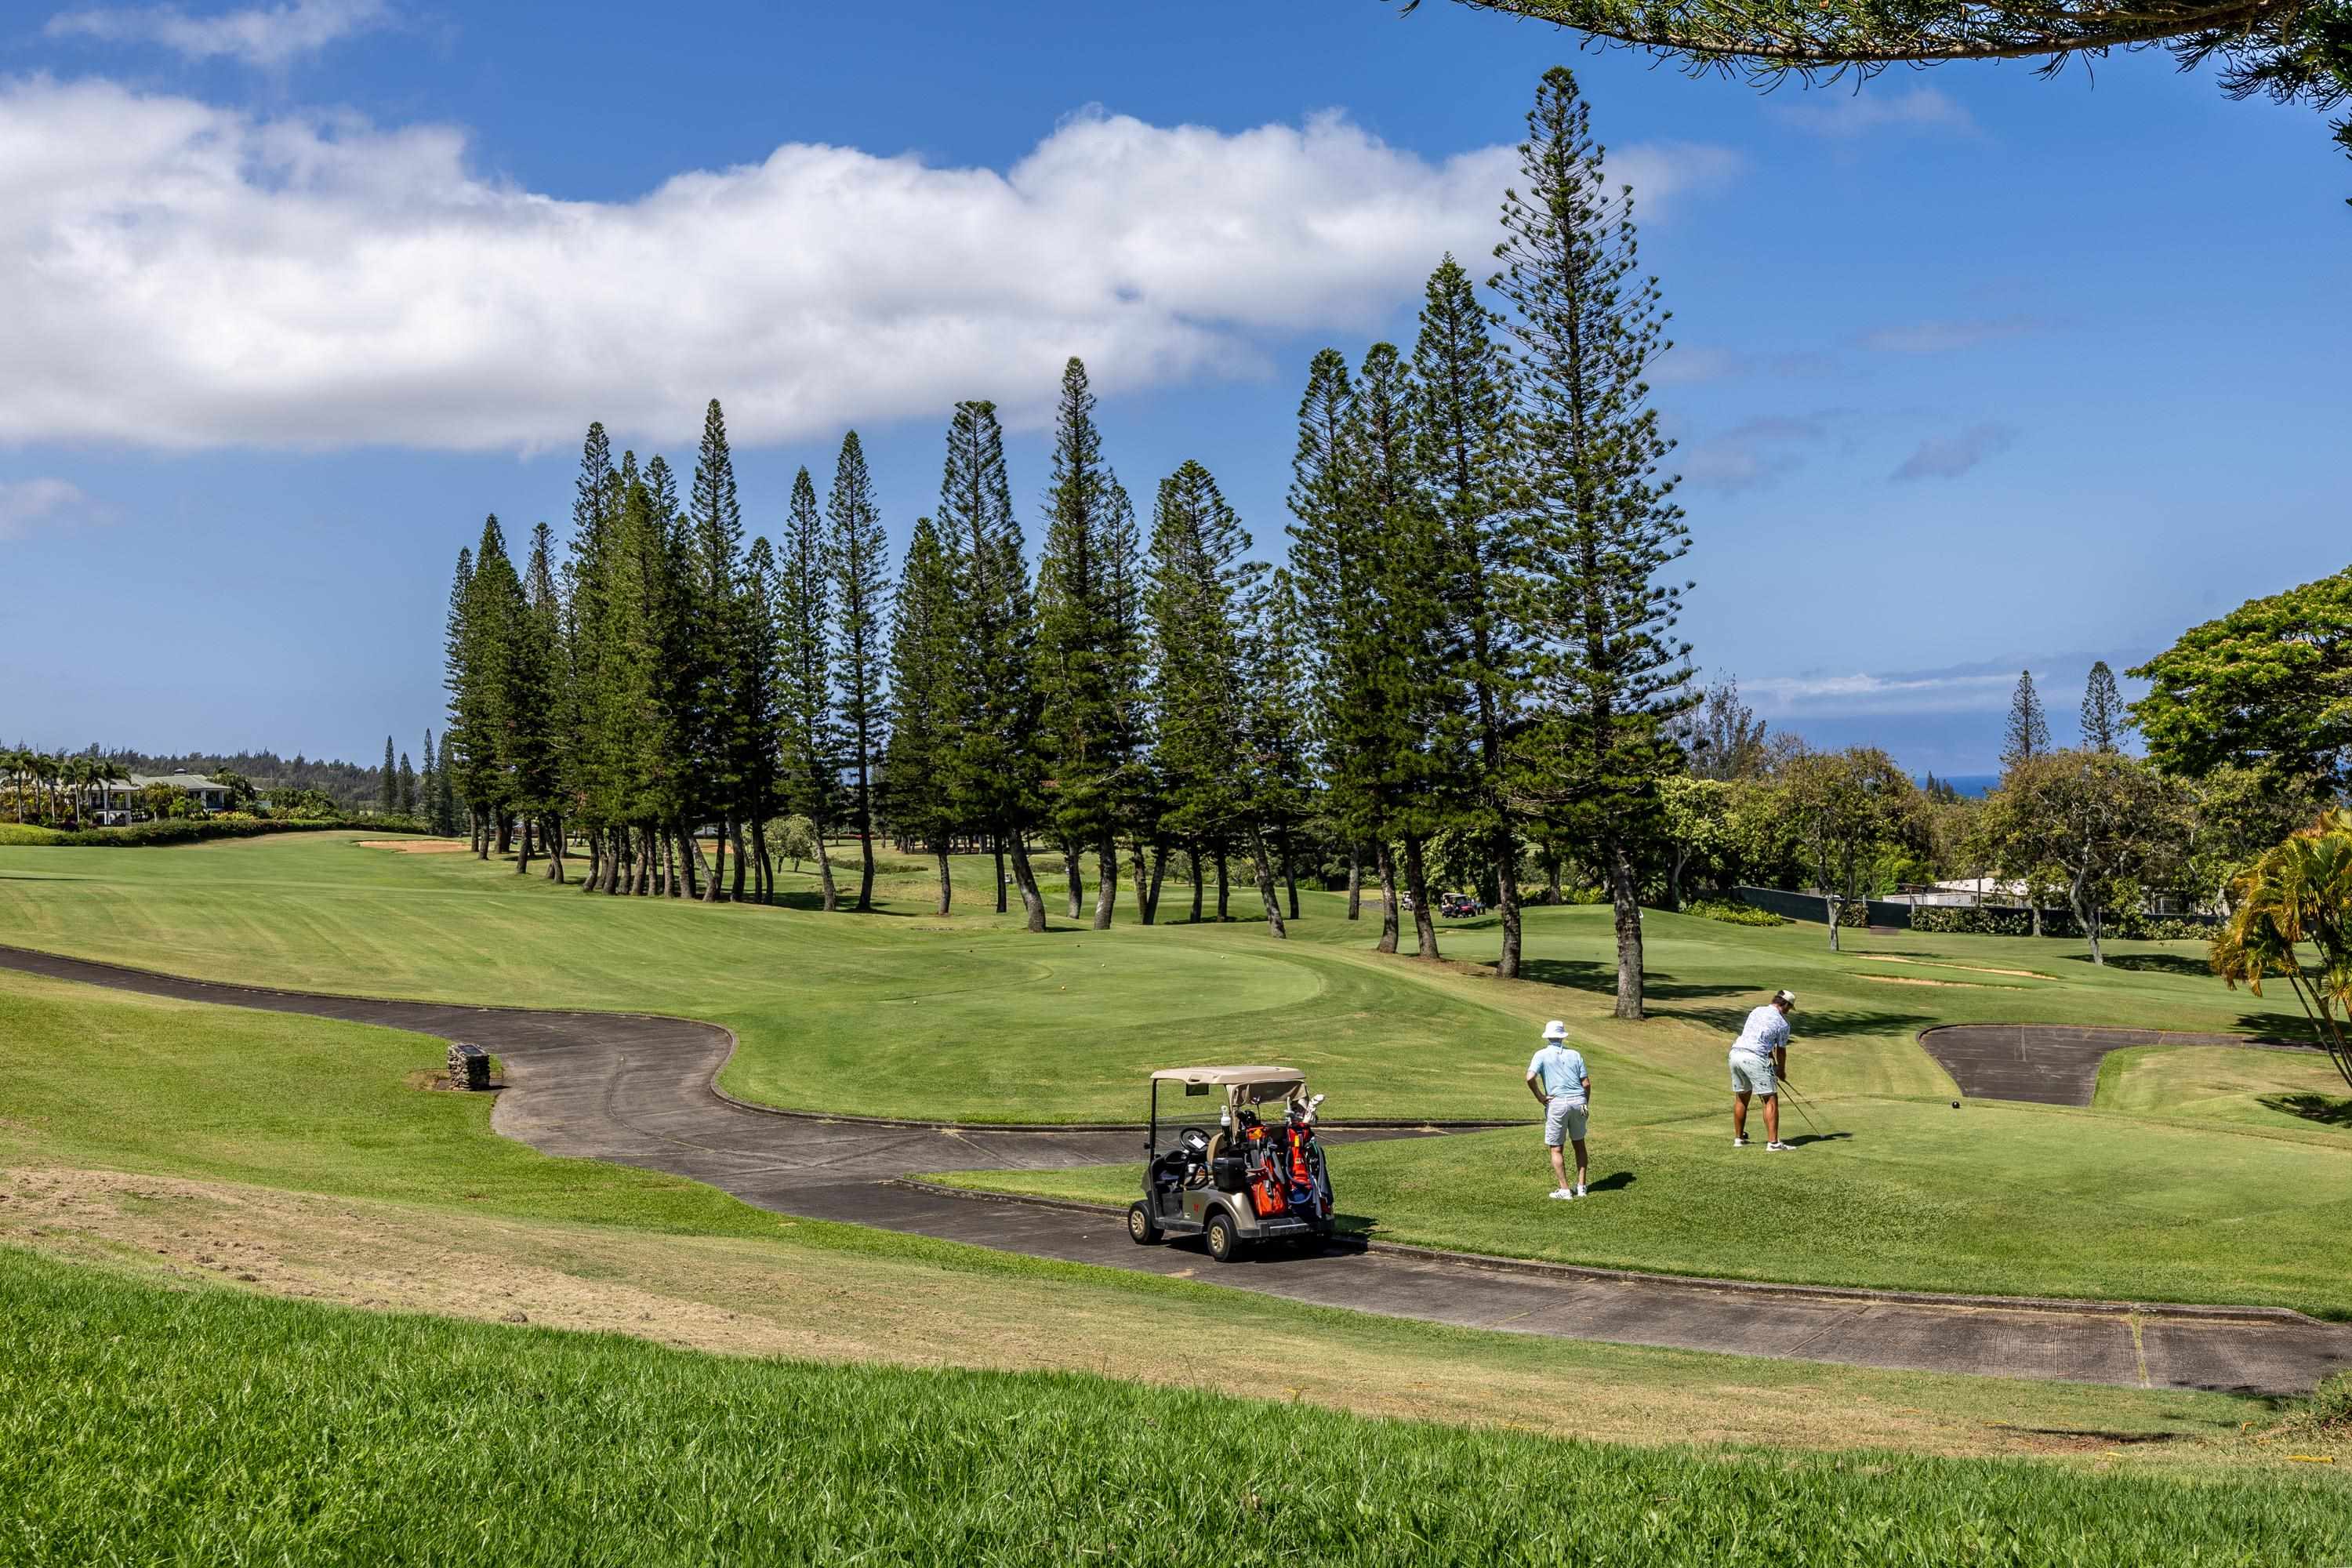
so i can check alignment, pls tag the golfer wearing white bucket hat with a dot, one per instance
(1555, 1077)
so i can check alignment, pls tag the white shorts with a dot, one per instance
(1564, 1122)
(1751, 1072)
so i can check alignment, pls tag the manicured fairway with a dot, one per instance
(906, 1014)
(190, 1143)
(141, 1425)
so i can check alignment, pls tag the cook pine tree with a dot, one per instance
(857, 550)
(388, 797)
(1594, 513)
(922, 660)
(994, 767)
(803, 617)
(1074, 676)
(2104, 718)
(2026, 733)
(1326, 558)
(1463, 455)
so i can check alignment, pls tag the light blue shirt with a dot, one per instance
(1562, 1072)
(1765, 1032)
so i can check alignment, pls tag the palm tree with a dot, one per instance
(45, 771)
(2301, 892)
(16, 761)
(79, 774)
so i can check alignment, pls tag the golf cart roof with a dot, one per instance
(1266, 1081)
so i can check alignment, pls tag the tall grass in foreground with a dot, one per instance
(146, 1424)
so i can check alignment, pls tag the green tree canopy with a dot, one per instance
(2269, 685)
(2292, 51)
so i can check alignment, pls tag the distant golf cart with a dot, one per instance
(1248, 1179)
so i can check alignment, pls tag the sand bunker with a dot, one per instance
(1938, 963)
(1907, 980)
(418, 846)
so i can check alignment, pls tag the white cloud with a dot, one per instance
(260, 36)
(183, 275)
(1934, 691)
(27, 504)
(1950, 456)
(1934, 337)
(1863, 110)
(1755, 451)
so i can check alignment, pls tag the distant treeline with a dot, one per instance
(351, 787)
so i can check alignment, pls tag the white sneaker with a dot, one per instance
(1580, 1189)
(1739, 1142)
(1562, 1192)
(1775, 1147)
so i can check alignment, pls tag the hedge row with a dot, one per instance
(2131, 926)
(198, 830)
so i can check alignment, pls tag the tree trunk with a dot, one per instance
(2087, 918)
(1416, 883)
(523, 847)
(1225, 888)
(1355, 881)
(1385, 862)
(825, 875)
(765, 889)
(1626, 897)
(1289, 877)
(2035, 906)
(1507, 901)
(947, 888)
(506, 831)
(594, 881)
(1552, 880)
(701, 881)
(480, 831)
(1836, 906)
(1193, 857)
(735, 834)
(555, 846)
(1032, 901)
(1259, 863)
(713, 889)
(998, 842)
(1146, 881)
(1106, 879)
(1077, 881)
(641, 874)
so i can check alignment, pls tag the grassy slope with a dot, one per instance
(965, 1018)
(94, 1082)
(213, 1428)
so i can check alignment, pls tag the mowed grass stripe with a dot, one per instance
(144, 1425)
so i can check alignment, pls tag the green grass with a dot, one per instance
(152, 1425)
(412, 1187)
(2156, 1193)
(2002, 1199)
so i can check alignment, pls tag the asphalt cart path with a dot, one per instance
(638, 1090)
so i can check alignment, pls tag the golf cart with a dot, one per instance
(1248, 1178)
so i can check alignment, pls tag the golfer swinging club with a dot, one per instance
(1555, 1077)
(1759, 1060)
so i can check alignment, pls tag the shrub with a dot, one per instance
(198, 830)
(2002, 920)
(1733, 914)
(2325, 1411)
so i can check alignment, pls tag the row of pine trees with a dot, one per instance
(1469, 636)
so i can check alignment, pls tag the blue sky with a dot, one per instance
(1974, 371)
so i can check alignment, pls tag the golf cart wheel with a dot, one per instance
(1142, 1228)
(1224, 1237)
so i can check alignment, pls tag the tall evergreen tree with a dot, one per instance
(721, 757)
(804, 614)
(406, 805)
(444, 791)
(760, 713)
(1328, 558)
(2026, 734)
(2104, 718)
(468, 735)
(1202, 594)
(994, 765)
(592, 750)
(922, 660)
(1083, 736)
(428, 787)
(1596, 517)
(1133, 788)
(858, 551)
(528, 700)
(387, 797)
(1402, 734)
(1278, 714)
(1461, 434)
